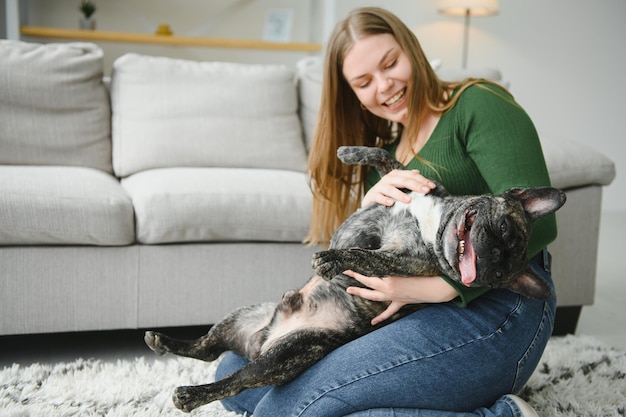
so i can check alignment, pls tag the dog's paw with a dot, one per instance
(351, 155)
(327, 264)
(153, 340)
(189, 398)
(186, 399)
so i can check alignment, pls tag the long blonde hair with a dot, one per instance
(338, 188)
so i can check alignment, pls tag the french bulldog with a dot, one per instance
(478, 241)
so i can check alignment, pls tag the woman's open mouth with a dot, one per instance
(396, 98)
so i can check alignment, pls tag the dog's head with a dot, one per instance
(486, 238)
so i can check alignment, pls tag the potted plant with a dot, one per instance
(87, 8)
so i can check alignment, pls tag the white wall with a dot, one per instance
(563, 58)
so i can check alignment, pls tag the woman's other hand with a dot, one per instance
(400, 291)
(389, 189)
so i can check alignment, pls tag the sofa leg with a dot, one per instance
(566, 320)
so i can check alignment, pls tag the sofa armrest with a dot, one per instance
(573, 164)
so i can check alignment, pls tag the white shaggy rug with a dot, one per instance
(578, 376)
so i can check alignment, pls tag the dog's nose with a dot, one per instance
(496, 255)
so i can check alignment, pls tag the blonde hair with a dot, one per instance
(338, 188)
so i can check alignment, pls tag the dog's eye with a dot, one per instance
(504, 227)
(499, 274)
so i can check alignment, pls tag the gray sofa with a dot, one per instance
(179, 192)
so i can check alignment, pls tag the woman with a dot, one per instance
(467, 351)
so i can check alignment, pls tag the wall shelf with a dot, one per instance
(103, 36)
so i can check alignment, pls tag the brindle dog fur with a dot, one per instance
(479, 241)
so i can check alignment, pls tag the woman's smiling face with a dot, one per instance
(378, 71)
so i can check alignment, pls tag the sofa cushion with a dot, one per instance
(310, 95)
(219, 204)
(57, 112)
(177, 113)
(63, 205)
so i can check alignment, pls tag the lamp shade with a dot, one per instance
(473, 7)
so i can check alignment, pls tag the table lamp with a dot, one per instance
(468, 8)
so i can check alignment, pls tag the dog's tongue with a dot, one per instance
(467, 264)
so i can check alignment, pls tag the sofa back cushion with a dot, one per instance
(179, 113)
(310, 93)
(54, 107)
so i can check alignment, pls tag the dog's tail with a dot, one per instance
(368, 155)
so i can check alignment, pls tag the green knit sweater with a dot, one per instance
(486, 143)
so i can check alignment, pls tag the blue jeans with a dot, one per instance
(440, 361)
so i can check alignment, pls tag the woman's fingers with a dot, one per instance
(373, 294)
(390, 188)
(392, 309)
(373, 284)
(368, 294)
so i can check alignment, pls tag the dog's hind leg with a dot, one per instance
(282, 362)
(240, 331)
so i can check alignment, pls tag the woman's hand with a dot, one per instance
(389, 188)
(400, 291)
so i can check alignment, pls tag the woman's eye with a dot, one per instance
(391, 64)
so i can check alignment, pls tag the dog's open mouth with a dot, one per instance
(465, 250)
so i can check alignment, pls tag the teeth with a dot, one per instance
(461, 249)
(395, 98)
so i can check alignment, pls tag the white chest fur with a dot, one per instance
(427, 212)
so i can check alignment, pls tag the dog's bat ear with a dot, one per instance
(541, 201)
(530, 285)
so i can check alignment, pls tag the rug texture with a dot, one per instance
(578, 376)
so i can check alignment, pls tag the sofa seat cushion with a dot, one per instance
(54, 106)
(219, 204)
(41, 205)
(178, 113)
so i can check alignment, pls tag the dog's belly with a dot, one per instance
(313, 314)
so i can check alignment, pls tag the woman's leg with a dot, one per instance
(505, 406)
(440, 358)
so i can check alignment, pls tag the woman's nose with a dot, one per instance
(384, 84)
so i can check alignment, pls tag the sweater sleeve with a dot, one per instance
(504, 144)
